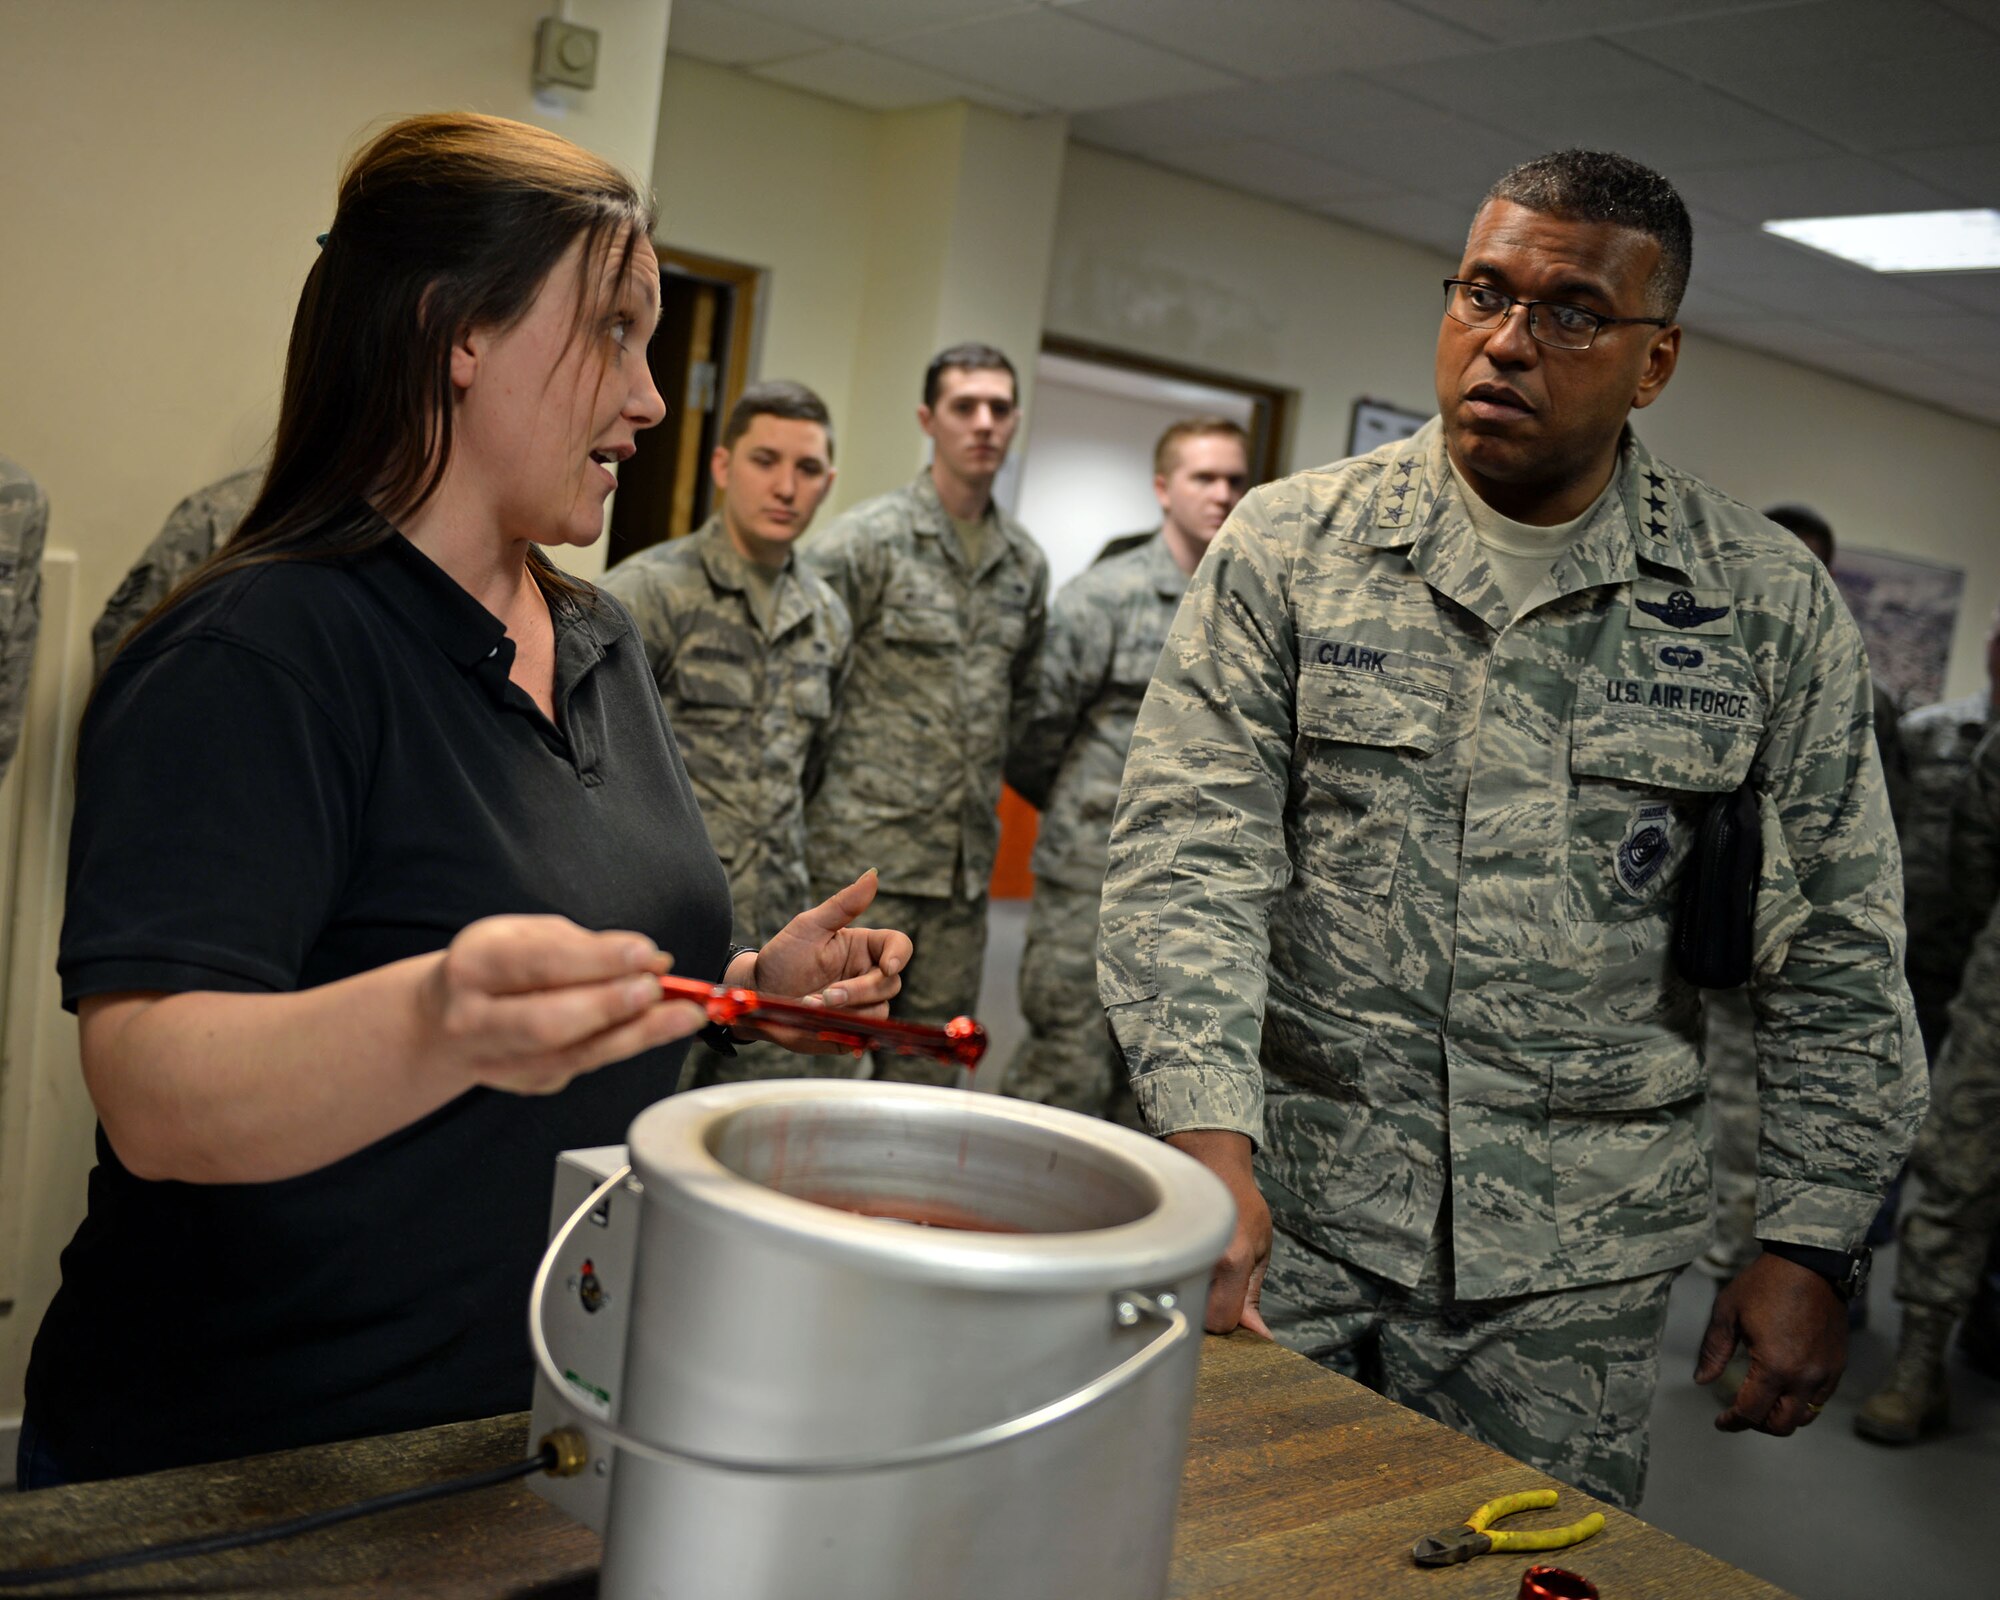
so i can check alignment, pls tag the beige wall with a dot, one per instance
(168, 166)
(1169, 266)
(882, 236)
(779, 180)
(168, 163)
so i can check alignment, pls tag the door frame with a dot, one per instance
(1272, 408)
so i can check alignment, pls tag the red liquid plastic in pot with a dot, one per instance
(921, 1214)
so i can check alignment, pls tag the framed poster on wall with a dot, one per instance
(1906, 610)
(1377, 422)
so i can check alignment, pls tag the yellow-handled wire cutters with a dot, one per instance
(1471, 1539)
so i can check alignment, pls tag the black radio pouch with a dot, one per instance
(1718, 906)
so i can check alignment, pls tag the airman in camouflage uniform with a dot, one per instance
(24, 525)
(1938, 742)
(1948, 1231)
(1105, 632)
(1392, 875)
(944, 645)
(198, 525)
(750, 673)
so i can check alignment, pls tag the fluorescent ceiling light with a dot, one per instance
(1903, 241)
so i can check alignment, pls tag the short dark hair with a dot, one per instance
(1805, 523)
(967, 358)
(777, 397)
(1601, 186)
(1167, 451)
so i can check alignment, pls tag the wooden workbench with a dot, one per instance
(1299, 1484)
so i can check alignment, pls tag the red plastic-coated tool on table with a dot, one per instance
(960, 1041)
(1554, 1583)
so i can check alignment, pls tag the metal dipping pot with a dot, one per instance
(831, 1405)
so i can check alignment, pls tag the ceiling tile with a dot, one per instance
(1276, 172)
(733, 37)
(1973, 353)
(1283, 38)
(1415, 217)
(1786, 284)
(1593, 94)
(1975, 291)
(1984, 12)
(1807, 33)
(1741, 253)
(1501, 85)
(1397, 114)
(1937, 338)
(1375, 130)
(1838, 185)
(1702, 128)
(1970, 173)
(1703, 301)
(1553, 19)
(1838, 68)
(877, 82)
(1160, 126)
(1900, 104)
(1792, 339)
(1051, 57)
(1889, 369)
(1826, 291)
(854, 20)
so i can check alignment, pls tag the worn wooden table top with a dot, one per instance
(1299, 1484)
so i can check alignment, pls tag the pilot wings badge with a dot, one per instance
(1681, 610)
(1681, 607)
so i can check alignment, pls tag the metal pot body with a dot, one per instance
(772, 1324)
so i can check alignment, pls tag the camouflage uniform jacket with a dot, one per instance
(1420, 861)
(1938, 742)
(1106, 629)
(24, 525)
(194, 528)
(750, 710)
(943, 660)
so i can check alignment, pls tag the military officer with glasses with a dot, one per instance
(1392, 880)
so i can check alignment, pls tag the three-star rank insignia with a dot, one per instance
(1400, 492)
(1655, 520)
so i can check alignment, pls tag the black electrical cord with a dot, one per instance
(214, 1543)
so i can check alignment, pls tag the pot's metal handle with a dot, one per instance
(1128, 1308)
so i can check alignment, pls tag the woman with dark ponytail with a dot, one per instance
(381, 840)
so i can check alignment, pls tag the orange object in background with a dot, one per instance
(1019, 823)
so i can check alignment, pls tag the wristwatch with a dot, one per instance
(1846, 1271)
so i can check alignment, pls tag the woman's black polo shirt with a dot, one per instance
(303, 772)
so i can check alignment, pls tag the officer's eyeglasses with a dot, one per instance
(1551, 322)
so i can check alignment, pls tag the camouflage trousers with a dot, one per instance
(1069, 1058)
(1563, 1381)
(1729, 1050)
(942, 979)
(1948, 1232)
